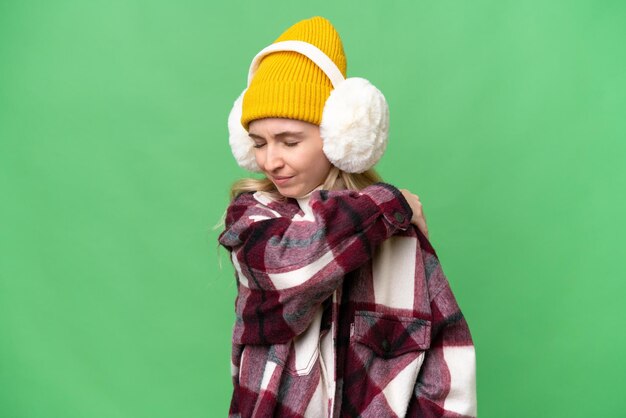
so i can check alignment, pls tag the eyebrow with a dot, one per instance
(280, 135)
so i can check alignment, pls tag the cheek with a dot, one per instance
(320, 165)
(310, 159)
(258, 155)
(299, 159)
(325, 167)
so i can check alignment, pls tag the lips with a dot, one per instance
(281, 179)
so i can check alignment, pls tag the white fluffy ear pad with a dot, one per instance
(240, 143)
(355, 125)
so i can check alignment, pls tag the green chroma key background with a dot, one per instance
(507, 119)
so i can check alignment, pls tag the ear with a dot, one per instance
(355, 125)
(240, 143)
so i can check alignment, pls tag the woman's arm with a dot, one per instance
(286, 268)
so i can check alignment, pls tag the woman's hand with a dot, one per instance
(418, 219)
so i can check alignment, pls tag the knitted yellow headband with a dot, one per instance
(307, 84)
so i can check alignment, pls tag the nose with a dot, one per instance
(273, 157)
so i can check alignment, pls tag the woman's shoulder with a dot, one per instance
(258, 197)
(263, 201)
(384, 195)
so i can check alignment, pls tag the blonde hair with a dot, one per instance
(335, 180)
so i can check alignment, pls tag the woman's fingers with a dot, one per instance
(421, 224)
(418, 219)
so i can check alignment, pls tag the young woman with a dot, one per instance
(343, 309)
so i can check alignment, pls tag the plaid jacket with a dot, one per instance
(343, 310)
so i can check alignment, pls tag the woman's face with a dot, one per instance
(290, 153)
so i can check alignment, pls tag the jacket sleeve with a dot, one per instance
(446, 384)
(286, 267)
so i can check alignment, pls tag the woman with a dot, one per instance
(342, 306)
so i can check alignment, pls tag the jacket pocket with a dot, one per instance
(385, 356)
(391, 335)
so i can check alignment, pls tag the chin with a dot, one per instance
(287, 194)
(290, 191)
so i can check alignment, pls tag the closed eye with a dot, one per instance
(258, 145)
